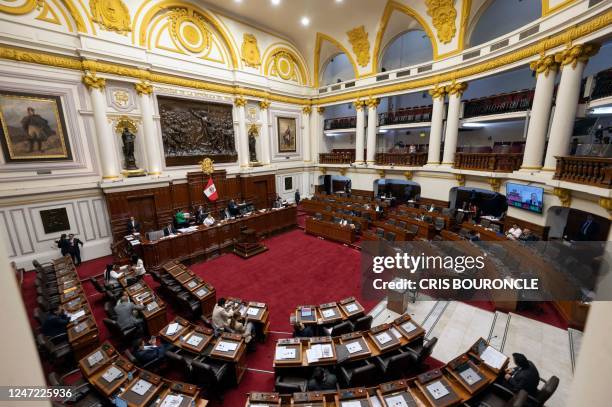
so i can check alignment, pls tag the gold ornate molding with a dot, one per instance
(358, 37)
(359, 104)
(343, 171)
(123, 122)
(437, 92)
(460, 179)
(112, 15)
(408, 175)
(564, 195)
(495, 184)
(307, 110)
(606, 203)
(545, 64)
(93, 82)
(577, 53)
(323, 170)
(381, 173)
(249, 51)
(320, 109)
(456, 88)
(22, 9)
(143, 88)
(264, 104)
(240, 101)
(443, 15)
(372, 102)
(190, 30)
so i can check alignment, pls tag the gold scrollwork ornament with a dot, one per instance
(124, 122)
(577, 53)
(307, 110)
(545, 64)
(358, 37)
(443, 15)
(190, 30)
(456, 88)
(112, 15)
(264, 104)
(143, 88)
(437, 92)
(92, 81)
(250, 51)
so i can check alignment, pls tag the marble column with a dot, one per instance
(572, 61)
(455, 91)
(243, 137)
(150, 136)
(437, 118)
(372, 126)
(264, 132)
(111, 168)
(306, 136)
(359, 131)
(545, 69)
(317, 132)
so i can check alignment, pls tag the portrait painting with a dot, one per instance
(33, 128)
(286, 128)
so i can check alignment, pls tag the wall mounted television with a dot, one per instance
(525, 197)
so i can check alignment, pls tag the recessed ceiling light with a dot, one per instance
(305, 21)
(237, 1)
(338, 1)
(275, 2)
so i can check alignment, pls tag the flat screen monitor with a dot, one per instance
(525, 197)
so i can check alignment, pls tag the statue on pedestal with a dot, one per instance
(128, 139)
(253, 133)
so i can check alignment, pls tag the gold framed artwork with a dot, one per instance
(33, 128)
(286, 130)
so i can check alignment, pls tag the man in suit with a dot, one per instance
(169, 230)
(200, 215)
(133, 226)
(62, 244)
(297, 196)
(55, 323)
(147, 351)
(321, 380)
(73, 249)
(127, 314)
(588, 230)
(232, 208)
(524, 376)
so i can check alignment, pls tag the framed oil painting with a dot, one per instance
(33, 128)
(286, 130)
(55, 220)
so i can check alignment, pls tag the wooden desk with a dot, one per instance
(252, 311)
(330, 230)
(97, 359)
(329, 313)
(263, 399)
(83, 337)
(236, 355)
(200, 289)
(141, 390)
(389, 392)
(401, 235)
(107, 388)
(154, 311)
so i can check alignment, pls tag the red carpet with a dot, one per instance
(297, 269)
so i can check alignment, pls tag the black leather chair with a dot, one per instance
(211, 377)
(498, 396)
(56, 352)
(544, 393)
(79, 386)
(125, 336)
(175, 362)
(290, 385)
(380, 232)
(422, 351)
(361, 374)
(390, 236)
(189, 306)
(439, 224)
(152, 365)
(363, 324)
(342, 328)
(394, 365)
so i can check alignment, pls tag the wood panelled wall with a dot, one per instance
(155, 207)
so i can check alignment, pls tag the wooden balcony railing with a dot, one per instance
(595, 171)
(336, 158)
(406, 159)
(507, 162)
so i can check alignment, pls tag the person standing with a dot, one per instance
(588, 230)
(297, 196)
(133, 226)
(73, 249)
(62, 244)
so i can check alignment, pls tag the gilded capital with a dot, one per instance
(306, 110)
(577, 53)
(545, 64)
(359, 104)
(564, 195)
(320, 110)
(456, 88)
(143, 88)
(372, 102)
(240, 101)
(437, 92)
(264, 104)
(93, 82)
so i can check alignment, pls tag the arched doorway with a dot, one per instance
(569, 224)
(401, 190)
(489, 203)
(334, 184)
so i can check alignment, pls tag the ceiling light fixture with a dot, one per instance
(602, 110)
(338, 1)
(305, 21)
(473, 125)
(275, 2)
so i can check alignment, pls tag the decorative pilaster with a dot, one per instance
(316, 127)
(546, 70)
(359, 131)
(111, 169)
(306, 136)
(572, 61)
(564, 195)
(264, 134)
(372, 104)
(243, 137)
(150, 136)
(437, 117)
(455, 91)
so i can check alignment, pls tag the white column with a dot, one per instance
(306, 136)
(573, 61)
(264, 132)
(359, 131)
(150, 137)
(111, 168)
(546, 70)
(372, 126)
(243, 137)
(317, 133)
(455, 91)
(437, 117)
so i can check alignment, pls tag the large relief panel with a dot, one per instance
(192, 130)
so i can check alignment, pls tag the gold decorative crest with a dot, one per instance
(93, 82)
(358, 37)
(443, 15)
(460, 179)
(495, 184)
(408, 175)
(113, 15)
(190, 30)
(206, 165)
(250, 51)
(121, 97)
(124, 122)
(283, 66)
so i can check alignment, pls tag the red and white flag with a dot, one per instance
(210, 191)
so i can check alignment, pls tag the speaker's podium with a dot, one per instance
(248, 245)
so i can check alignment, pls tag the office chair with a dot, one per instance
(152, 365)
(79, 386)
(290, 385)
(211, 377)
(189, 305)
(109, 308)
(421, 351)
(439, 224)
(124, 336)
(342, 328)
(363, 324)
(56, 352)
(427, 218)
(496, 397)
(362, 375)
(390, 236)
(392, 366)
(380, 233)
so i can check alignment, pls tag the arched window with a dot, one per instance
(338, 69)
(500, 17)
(409, 48)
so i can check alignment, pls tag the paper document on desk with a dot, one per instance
(283, 353)
(493, 357)
(77, 315)
(201, 292)
(396, 333)
(111, 374)
(328, 313)
(172, 329)
(354, 347)
(252, 311)
(396, 401)
(317, 352)
(352, 307)
(409, 327)
(383, 338)
(172, 400)
(350, 404)
(470, 376)
(152, 305)
(437, 390)
(95, 358)
(226, 346)
(306, 312)
(141, 387)
(194, 340)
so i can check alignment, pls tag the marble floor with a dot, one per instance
(458, 325)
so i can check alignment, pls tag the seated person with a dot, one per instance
(169, 230)
(240, 326)
(200, 215)
(127, 314)
(322, 379)
(147, 351)
(209, 220)
(133, 226)
(527, 236)
(232, 208)
(112, 275)
(181, 218)
(137, 266)
(303, 331)
(55, 323)
(474, 236)
(524, 376)
(514, 232)
(221, 316)
(278, 202)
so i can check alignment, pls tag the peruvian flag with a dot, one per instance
(210, 191)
